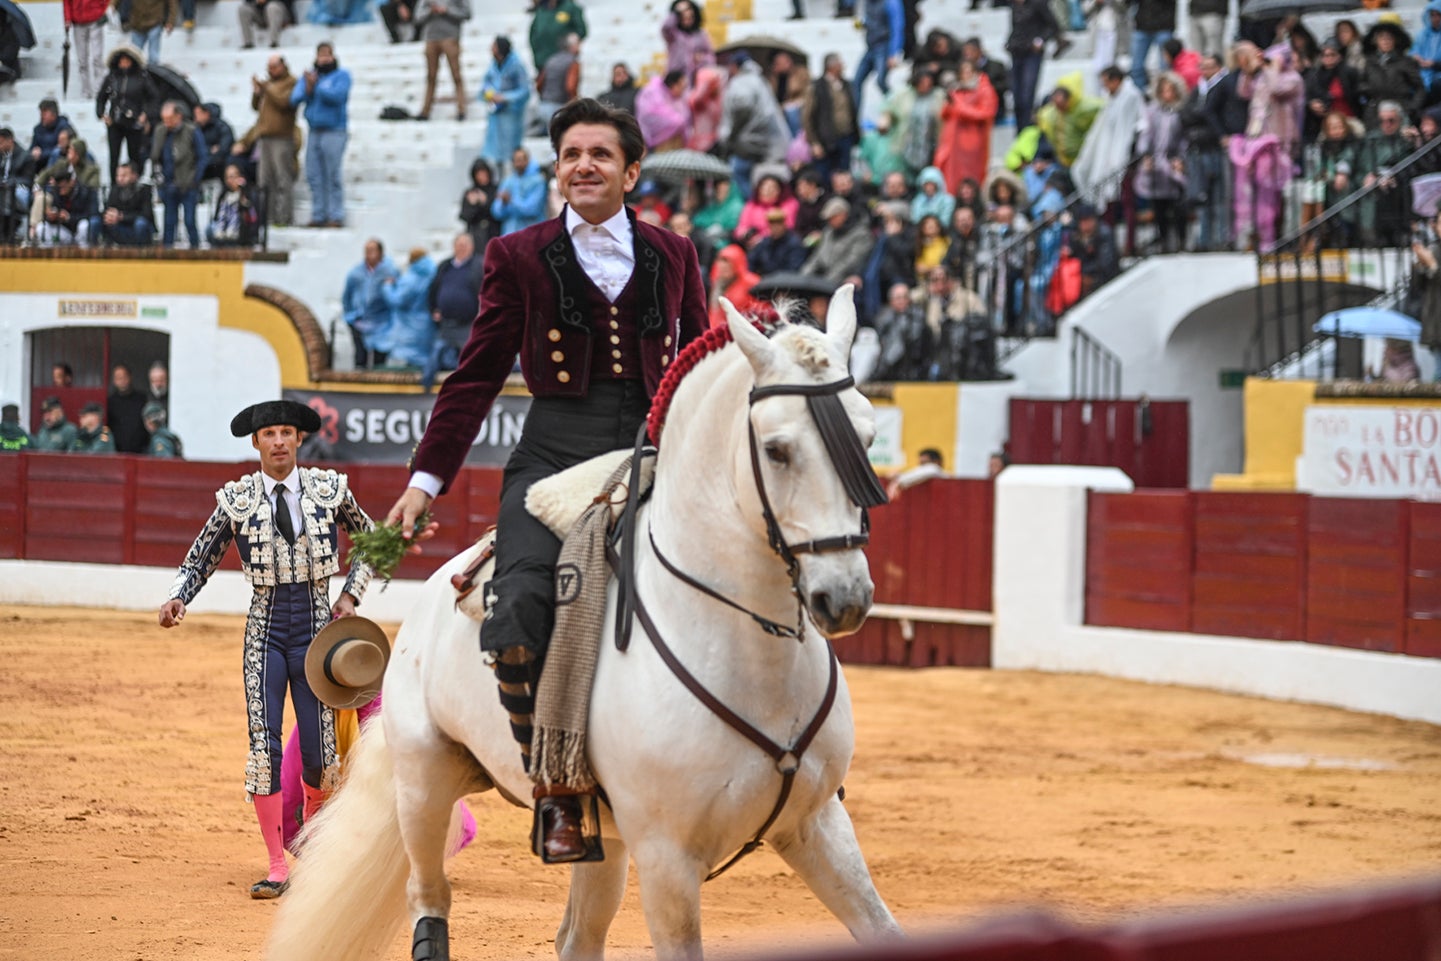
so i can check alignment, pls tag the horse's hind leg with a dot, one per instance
(429, 779)
(670, 881)
(825, 853)
(596, 890)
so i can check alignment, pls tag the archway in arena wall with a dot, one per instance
(1214, 340)
(91, 353)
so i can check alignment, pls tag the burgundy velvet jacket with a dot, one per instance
(536, 300)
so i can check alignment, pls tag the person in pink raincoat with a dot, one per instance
(704, 100)
(662, 111)
(967, 116)
(1264, 159)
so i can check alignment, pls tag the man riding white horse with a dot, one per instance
(597, 304)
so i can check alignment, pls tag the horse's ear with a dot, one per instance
(754, 344)
(841, 319)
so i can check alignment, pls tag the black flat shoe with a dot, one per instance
(268, 890)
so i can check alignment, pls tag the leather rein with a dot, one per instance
(848, 456)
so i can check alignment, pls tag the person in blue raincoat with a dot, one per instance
(506, 90)
(411, 334)
(364, 305)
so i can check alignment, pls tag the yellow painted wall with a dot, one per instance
(928, 419)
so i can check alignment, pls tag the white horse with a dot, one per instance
(685, 790)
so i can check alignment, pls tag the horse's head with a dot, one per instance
(809, 431)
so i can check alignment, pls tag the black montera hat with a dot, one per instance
(271, 413)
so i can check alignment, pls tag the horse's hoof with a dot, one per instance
(268, 890)
(432, 940)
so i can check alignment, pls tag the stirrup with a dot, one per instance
(589, 830)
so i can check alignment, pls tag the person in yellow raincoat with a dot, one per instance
(1067, 117)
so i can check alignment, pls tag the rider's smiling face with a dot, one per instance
(593, 174)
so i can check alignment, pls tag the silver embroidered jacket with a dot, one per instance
(243, 514)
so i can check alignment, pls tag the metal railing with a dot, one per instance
(1095, 369)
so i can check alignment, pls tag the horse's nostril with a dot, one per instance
(821, 604)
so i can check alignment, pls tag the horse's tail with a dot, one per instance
(347, 891)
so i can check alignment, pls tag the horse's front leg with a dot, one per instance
(670, 880)
(825, 853)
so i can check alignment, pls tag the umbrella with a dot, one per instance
(678, 166)
(19, 23)
(762, 47)
(1273, 9)
(1368, 322)
(65, 66)
(172, 84)
(1426, 194)
(794, 283)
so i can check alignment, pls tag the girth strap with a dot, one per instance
(788, 759)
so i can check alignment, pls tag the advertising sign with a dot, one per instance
(384, 428)
(1371, 452)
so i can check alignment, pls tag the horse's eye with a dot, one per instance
(778, 455)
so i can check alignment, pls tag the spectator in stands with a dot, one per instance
(439, 24)
(1331, 176)
(968, 194)
(932, 244)
(687, 44)
(964, 147)
(63, 212)
(954, 317)
(520, 200)
(1331, 87)
(1425, 291)
(1427, 51)
(974, 52)
(1353, 49)
(129, 216)
(177, 156)
(126, 103)
(905, 341)
(885, 29)
(16, 174)
(163, 441)
(1398, 364)
(1110, 31)
(158, 383)
(45, 137)
(931, 199)
(273, 136)
(85, 21)
(829, 118)
(61, 374)
(92, 436)
(272, 16)
(475, 204)
(1154, 23)
(790, 83)
(1032, 25)
(505, 89)
(1208, 26)
(663, 113)
(810, 191)
(219, 139)
(393, 13)
(1038, 172)
(706, 102)
(928, 467)
(752, 128)
(1092, 243)
(363, 304)
(410, 337)
(1389, 73)
(145, 21)
(123, 409)
(915, 111)
(732, 278)
(454, 300)
(75, 154)
(770, 194)
(841, 253)
(962, 254)
(13, 437)
(558, 82)
(680, 223)
(236, 220)
(719, 218)
(1067, 117)
(1184, 63)
(325, 92)
(880, 150)
(892, 259)
(941, 52)
(844, 186)
(1385, 214)
(1207, 168)
(1262, 159)
(622, 92)
(551, 20)
(1161, 176)
(779, 250)
(56, 433)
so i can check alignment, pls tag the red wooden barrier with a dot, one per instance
(12, 507)
(1249, 578)
(1105, 433)
(1423, 581)
(1138, 560)
(1356, 572)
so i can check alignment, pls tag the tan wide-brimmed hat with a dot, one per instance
(346, 662)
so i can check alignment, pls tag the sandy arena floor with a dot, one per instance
(125, 836)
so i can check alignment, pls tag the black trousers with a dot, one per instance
(133, 138)
(559, 432)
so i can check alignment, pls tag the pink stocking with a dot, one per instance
(314, 798)
(269, 810)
